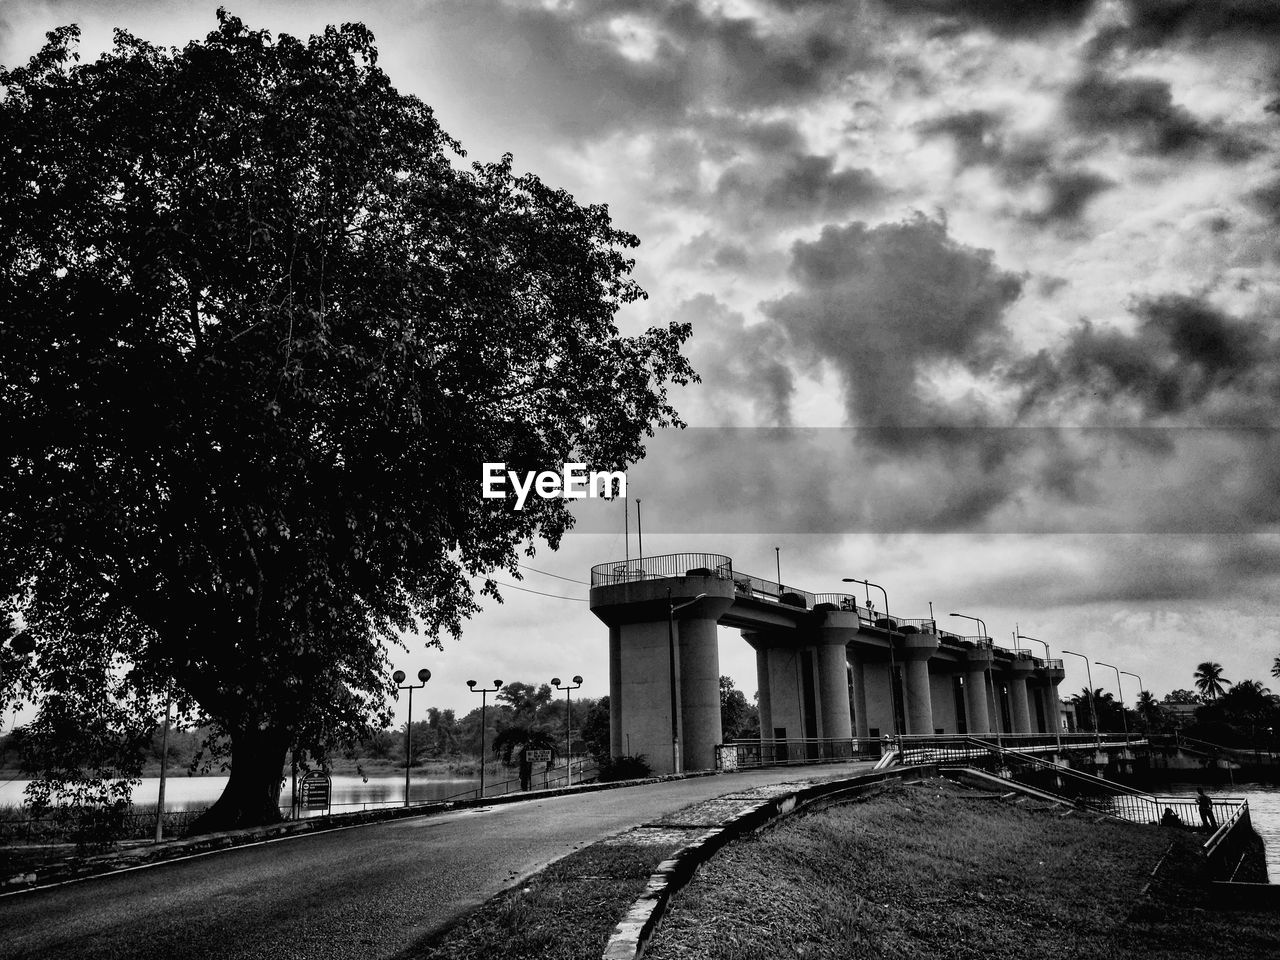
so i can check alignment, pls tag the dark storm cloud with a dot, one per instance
(1154, 22)
(1004, 17)
(1069, 193)
(747, 364)
(880, 303)
(1182, 355)
(1267, 200)
(567, 65)
(1142, 110)
(980, 139)
(804, 187)
(975, 133)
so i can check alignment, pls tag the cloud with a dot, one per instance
(1002, 17)
(1069, 194)
(585, 69)
(1152, 23)
(879, 304)
(746, 364)
(1141, 109)
(1183, 358)
(804, 187)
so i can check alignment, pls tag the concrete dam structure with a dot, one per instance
(828, 671)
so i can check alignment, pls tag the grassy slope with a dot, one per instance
(936, 871)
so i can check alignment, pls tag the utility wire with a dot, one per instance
(539, 592)
(556, 575)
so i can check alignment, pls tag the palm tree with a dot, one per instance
(1149, 709)
(1210, 681)
(1275, 667)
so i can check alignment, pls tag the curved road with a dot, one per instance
(370, 891)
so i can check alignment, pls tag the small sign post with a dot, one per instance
(317, 791)
(539, 756)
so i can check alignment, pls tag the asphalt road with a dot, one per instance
(367, 892)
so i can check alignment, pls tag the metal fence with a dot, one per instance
(749, 754)
(662, 567)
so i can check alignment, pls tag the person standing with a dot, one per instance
(1206, 809)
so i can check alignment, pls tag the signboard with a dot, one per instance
(315, 791)
(538, 756)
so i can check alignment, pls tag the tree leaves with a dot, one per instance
(258, 331)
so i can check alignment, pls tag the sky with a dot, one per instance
(982, 291)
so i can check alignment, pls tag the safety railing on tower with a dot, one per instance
(662, 567)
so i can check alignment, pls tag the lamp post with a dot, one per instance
(1093, 711)
(991, 683)
(423, 676)
(1057, 723)
(1124, 721)
(893, 662)
(1141, 688)
(671, 650)
(568, 725)
(484, 693)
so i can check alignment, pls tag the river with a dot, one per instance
(1264, 811)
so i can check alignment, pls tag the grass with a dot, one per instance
(564, 913)
(933, 871)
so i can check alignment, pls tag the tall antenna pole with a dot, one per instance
(640, 534)
(626, 530)
(777, 557)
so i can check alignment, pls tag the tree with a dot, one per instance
(258, 334)
(1149, 710)
(1210, 681)
(1182, 696)
(737, 717)
(525, 699)
(596, 731)
(1275, 668)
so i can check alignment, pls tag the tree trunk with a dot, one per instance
(252, 795)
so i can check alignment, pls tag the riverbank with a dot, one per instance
(939, 870)
(929, 870)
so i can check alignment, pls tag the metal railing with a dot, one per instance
(583, 770)
(749, 754)
(1228, 817)
(662, 567)
(758, 588)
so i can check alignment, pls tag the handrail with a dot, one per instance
(661, 567)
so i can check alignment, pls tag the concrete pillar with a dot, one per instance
(916, 650)
(764, 693)
(833, 689)
(1019, 707)
(643, 707)
(617, 744)
(699, 656)
(858, 695)
(976, 696)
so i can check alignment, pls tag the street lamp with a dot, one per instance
(423, 676)
(1141, 689)
(893, 662)
(1057, 723)
(1093, 711)
(484, 693)
(671, 650)
(1124, 721)
(568, 725)
(991, 683)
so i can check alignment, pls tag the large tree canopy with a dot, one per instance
(259, 329)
